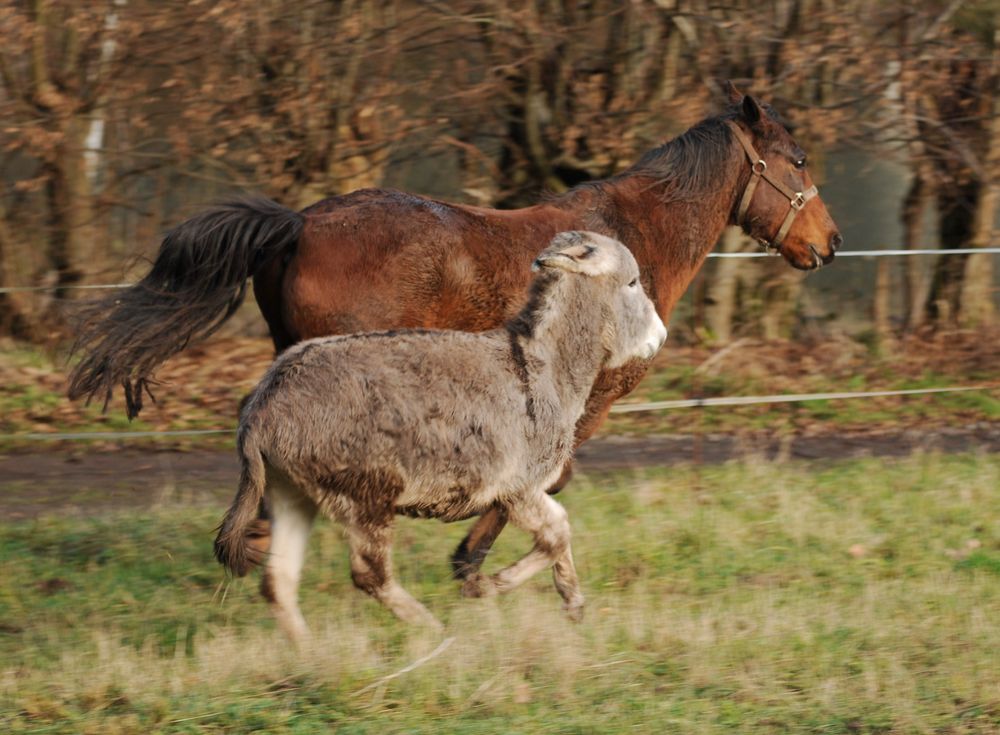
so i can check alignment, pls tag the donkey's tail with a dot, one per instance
(197, 281)
(236, 545)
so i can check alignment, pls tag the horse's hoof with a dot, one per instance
(478, 585)
(461, 569)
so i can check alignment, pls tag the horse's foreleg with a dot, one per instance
(471, 553)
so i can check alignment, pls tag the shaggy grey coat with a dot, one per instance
(436, 424)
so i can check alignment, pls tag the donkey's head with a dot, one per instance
(609, 275)
(780, 207)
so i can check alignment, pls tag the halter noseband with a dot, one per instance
(758, 170)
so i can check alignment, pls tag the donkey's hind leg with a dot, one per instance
(547, 521)
(292, 514)
(371, 571)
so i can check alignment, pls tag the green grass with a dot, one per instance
(855, 597)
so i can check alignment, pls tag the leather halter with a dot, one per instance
(758, 170)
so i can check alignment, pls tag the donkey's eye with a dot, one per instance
(800, 163)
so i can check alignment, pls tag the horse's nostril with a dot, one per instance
(836, 241)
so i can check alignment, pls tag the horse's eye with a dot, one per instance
(633, 283)
(800, 163)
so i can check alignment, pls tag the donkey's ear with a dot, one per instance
(579, 252)
(734, 95)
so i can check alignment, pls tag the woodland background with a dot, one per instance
(120, 118)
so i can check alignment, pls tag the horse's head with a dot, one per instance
(780, 206)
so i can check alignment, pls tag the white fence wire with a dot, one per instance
(785, 398)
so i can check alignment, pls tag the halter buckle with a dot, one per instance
(759, 168)
(798, 201)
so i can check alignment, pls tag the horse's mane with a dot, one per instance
(688, 167)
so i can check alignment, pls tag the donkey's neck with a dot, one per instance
(669, 236)
(559, 341)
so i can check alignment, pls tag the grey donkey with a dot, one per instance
(436, 424)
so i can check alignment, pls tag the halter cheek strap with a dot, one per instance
(758, 170)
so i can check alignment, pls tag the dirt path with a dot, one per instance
(90, 483)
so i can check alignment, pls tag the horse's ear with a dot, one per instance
(734, 95)
(750, 110)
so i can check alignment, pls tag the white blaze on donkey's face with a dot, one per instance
(632, 328)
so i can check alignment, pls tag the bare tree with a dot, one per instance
(977, 305)
(119, 112)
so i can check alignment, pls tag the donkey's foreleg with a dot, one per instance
(568, 585)
(472, 552)
(292, 515)
(548, 523)
(371, 571)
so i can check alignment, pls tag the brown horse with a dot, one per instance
(379, 259)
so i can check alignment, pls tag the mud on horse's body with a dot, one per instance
(379, 259)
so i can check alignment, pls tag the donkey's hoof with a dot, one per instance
(478, 585)
(574, 610)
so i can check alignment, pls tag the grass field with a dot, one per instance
(855, 597)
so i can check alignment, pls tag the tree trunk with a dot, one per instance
(882, 304)
(976, 299)
(67, 190)
(68, 196)
(957, 207)
(977, 303)
(720, 301)
(914, 285)
(780, 289)
(13, 318)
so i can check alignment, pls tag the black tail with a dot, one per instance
(198, 280)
